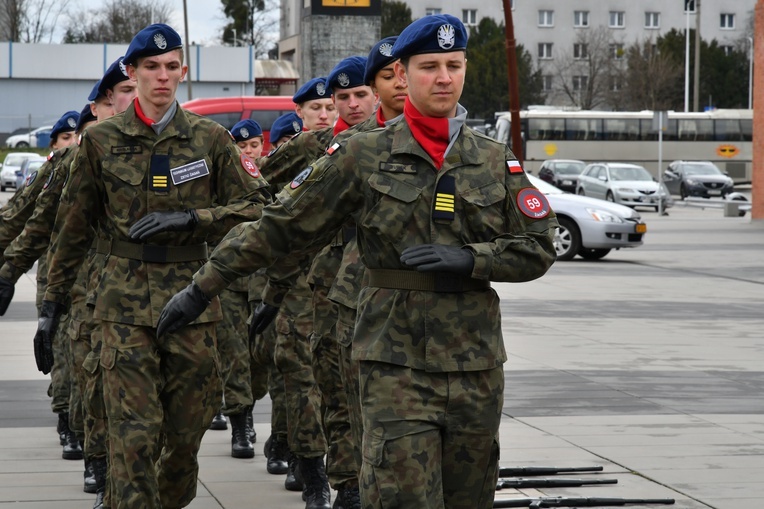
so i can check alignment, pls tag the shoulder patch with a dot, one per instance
(30, 178)
(50, 156)
(301, 178)
(514, 167)
(533, 203)
(50, 179)
(331, 150)
(249, 166)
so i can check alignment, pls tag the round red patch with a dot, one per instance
(249, 166)
(533, 203)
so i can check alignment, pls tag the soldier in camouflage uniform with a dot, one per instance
(441, 212)
(175, 182)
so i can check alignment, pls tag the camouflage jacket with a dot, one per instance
(385, 179)
(122, 172)
(14, 216)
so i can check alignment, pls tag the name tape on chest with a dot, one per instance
(514, 167)
(533, 203)
(127, 149)
(397, 168)
(190, 171)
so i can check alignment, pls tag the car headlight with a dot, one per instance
(604, 216)
(692, 182)
(625, 190)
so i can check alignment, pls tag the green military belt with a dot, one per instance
(151, 252)
(444, 282)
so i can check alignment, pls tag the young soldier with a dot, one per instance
(314, 105)
(284, 128)
(155, 182)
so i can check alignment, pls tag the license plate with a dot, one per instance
(567, 182)
(641, 228)
(715, 192)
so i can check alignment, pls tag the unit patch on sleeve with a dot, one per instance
(190, 171)
(249, 166)
(514, 167)
(533, 203)
(301, 178)
(31, 177)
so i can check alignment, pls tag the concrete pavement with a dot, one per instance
(649, 362)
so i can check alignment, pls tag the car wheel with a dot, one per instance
(581, 192)
(22, 144)
(592, 254)
(567, 239)
(610, 197)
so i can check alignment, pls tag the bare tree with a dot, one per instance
(586, 72)
(117, 21)
(252, 22)
(29, 20)
(652, 81)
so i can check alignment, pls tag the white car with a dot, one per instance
(11, 165)
(627, 184)
(590, 228)
(27, 139)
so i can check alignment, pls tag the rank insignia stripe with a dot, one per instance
(514, 167)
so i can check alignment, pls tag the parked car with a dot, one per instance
(697, 178)
(562, 173)
(11, 165)
(28, 167)
(27, 139)
(626, 184)
(589, 227)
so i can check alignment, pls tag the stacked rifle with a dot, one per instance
(530, 477)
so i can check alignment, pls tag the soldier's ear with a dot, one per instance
(400, 73)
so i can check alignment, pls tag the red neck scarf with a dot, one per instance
(380, 117)
(340, 126)
(139, 113)
(430, 132)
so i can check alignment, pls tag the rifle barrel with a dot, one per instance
(531, 471)
(543, 502)
(545, 482)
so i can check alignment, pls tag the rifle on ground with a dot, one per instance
(550, 483)
(539, 503)
(532, 471)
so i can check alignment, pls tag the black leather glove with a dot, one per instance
(158, 222)
(262, 316)
(6, 294)
(184, 307)
(50, 313)
(439, 258)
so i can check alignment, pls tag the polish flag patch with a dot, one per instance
(332, 149)
(249, 166)
(514, 167)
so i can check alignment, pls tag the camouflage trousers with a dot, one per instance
(60, 386)
(294, 322)
(262, 349)
(342, 463)
(350, 376)
(160, 396)
(430, 439)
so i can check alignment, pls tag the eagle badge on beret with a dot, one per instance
(386, 49)
(343, 79)
(72, 123)
(122, 67)
(161, 42)
(244, 132)
(446, 36)
(296, 126)
(320, 88)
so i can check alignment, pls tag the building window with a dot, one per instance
(652, 20)
(546, 84)
(617, 19)
(617, 51)
(580, 51)
(727, 50)
(580, 19)
(727, 21)
(580, 82)
(545, 50)
(546, 18)
(689, 6)
(469, 17)
(429, 11)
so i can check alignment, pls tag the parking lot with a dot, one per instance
(649, 362)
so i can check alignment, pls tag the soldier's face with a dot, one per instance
(317, 114)
(122, 95)
(157, 77)
(253, 147)
(64, 140)
(435, 81)
(392, 93)
(354, 105)
(102, 108)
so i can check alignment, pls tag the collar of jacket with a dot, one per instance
(464, 150)
(179, 126)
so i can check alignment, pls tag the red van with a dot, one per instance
(263, 109)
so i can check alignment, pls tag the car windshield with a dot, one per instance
(569, 168)
(629, 173)
(14, 160)
(543, 186)
(701, 169)
(35, 165)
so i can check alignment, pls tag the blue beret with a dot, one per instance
(116, 73)
(85, 116)
(67, 123)
(153, 40)
(288, 124)
(245, 130)
(438, 33)
(313, 89)
(381, 55)
(347, 74)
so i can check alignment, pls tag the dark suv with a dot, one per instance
(562, 173)
(697, 178)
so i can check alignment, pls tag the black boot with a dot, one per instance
(278, 455)
(90, 480)
(348, 497)
(317, 494)
(99, 470)
(241, 447)
(293, 481)
(251, 425)
(219, 422)
(72, 448)
(62, 418)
